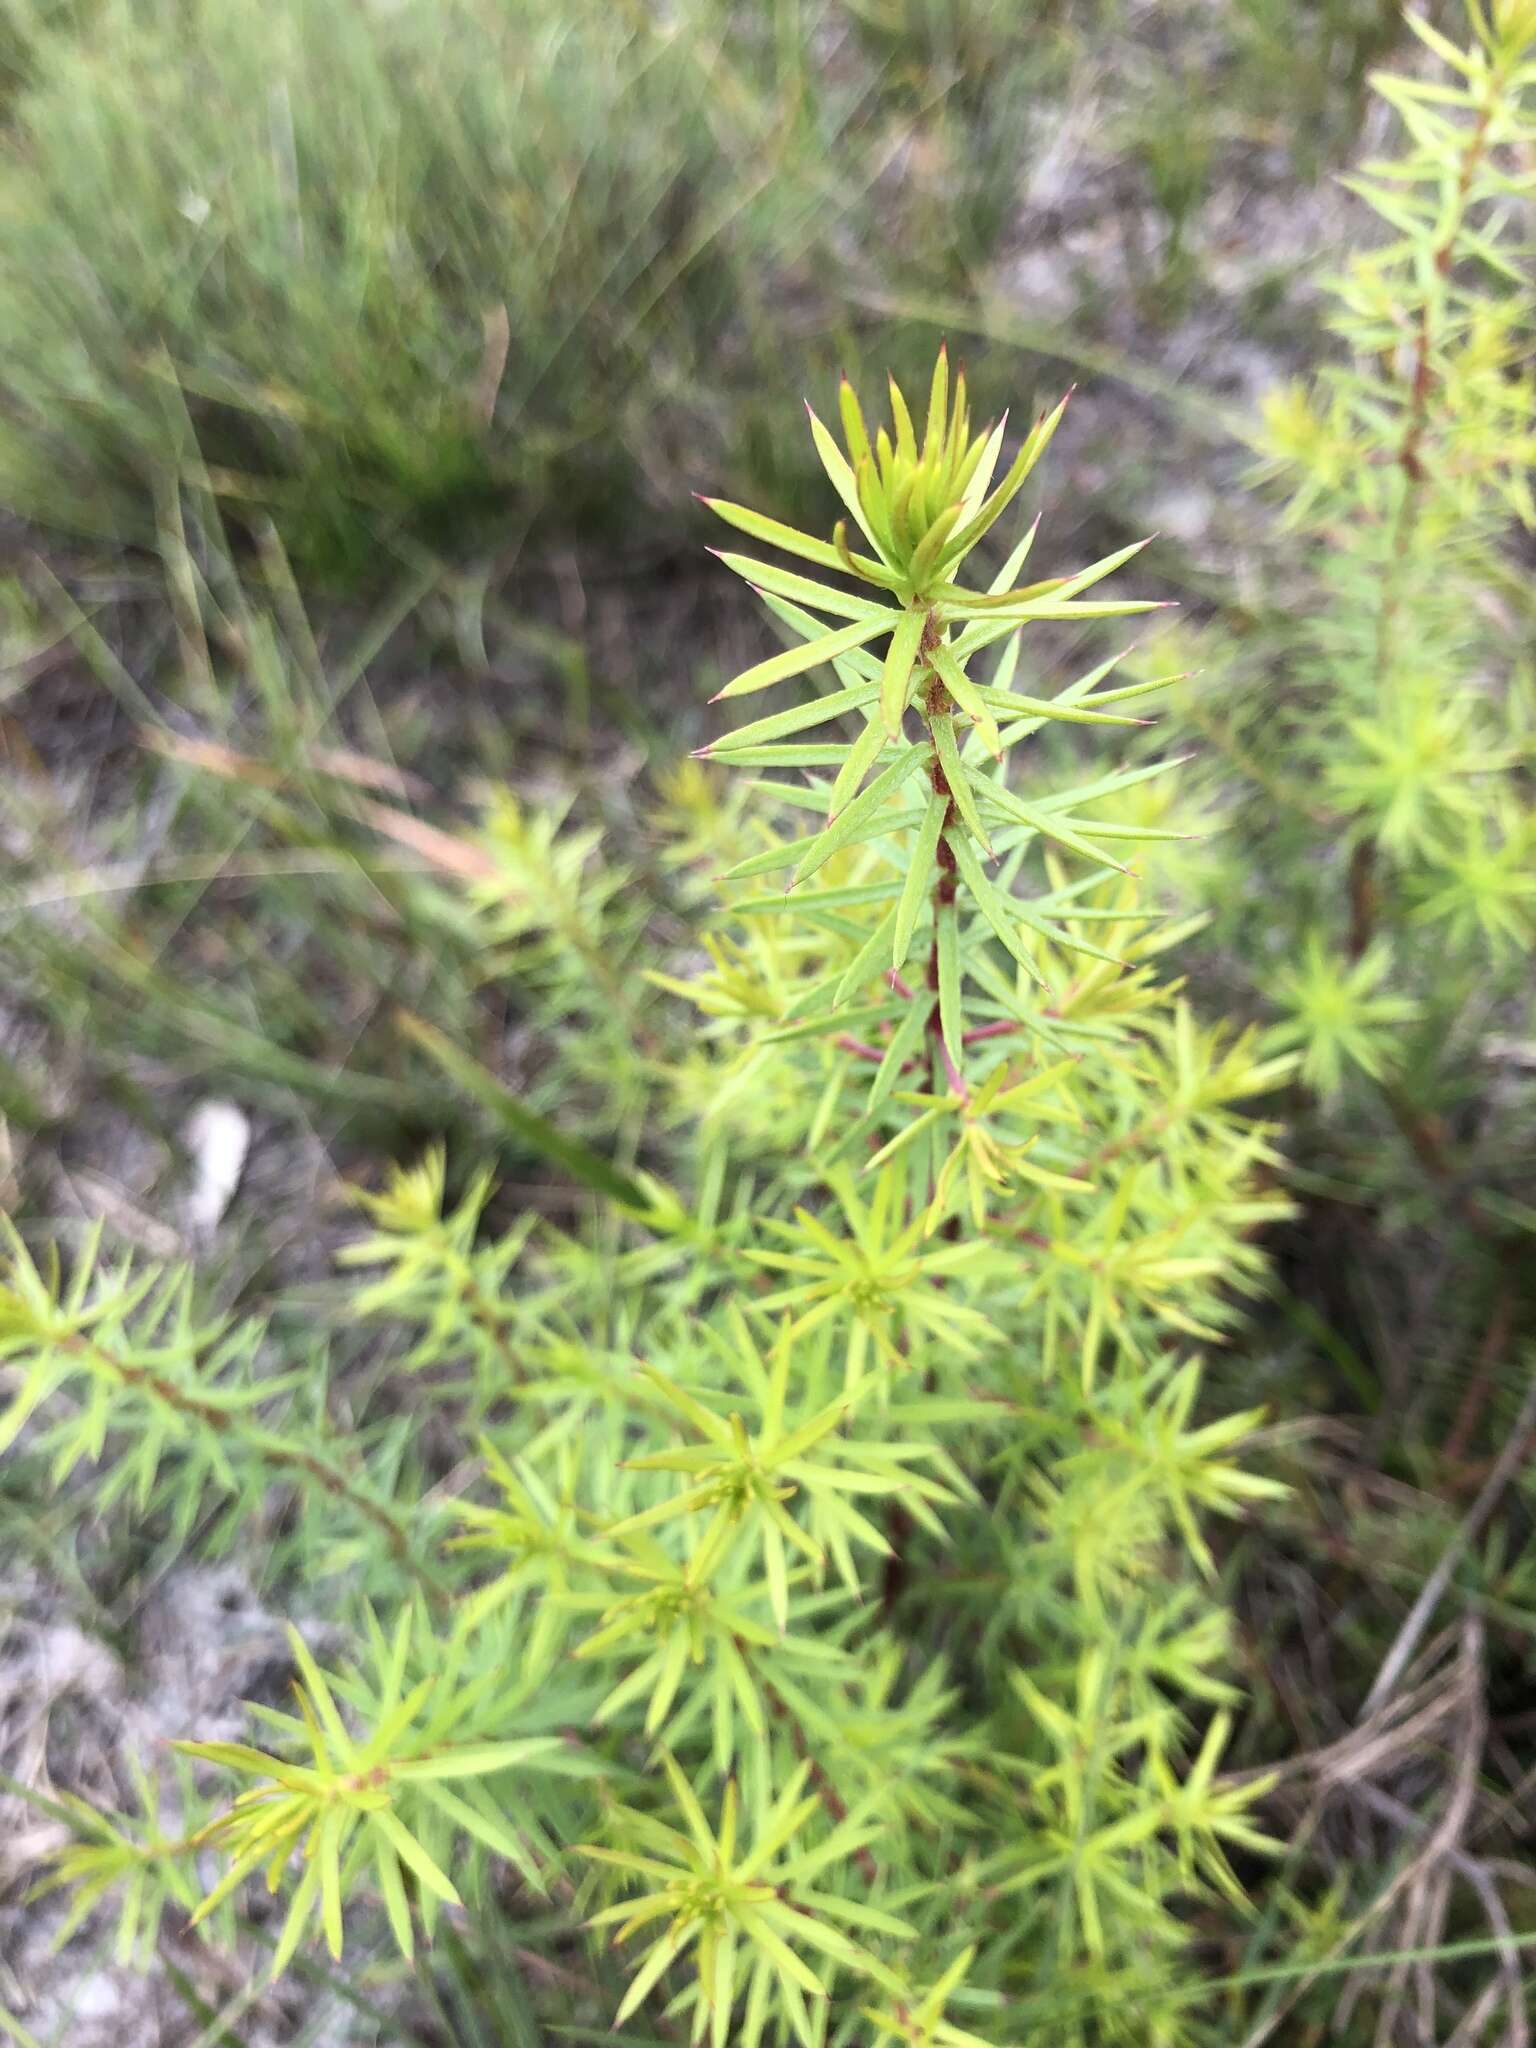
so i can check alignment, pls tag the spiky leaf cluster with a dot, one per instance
(1403, 695)
(797, 1569)
(1372, 726)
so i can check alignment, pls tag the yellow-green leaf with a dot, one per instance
(794, 661)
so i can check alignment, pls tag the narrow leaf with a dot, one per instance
(520, 1122)
(776, 533)
(860, 819)
(992, 904)
(797, 719)
(835, 463)
(865, 962)
(903, 1043)
(1049, 827)
(942, 726)
(794, 661)
(968, 696)
(820, 597)
(897, 673)
(414, 1856)
(951, 1015)
(919, 881)
(862, 756)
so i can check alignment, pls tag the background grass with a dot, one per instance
(421, 276)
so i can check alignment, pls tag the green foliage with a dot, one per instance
(131, 1859)
(1339, 1014)
(1368, 714)
(381, 1801)
(843, 1589)
(807, 1367)
(117, 1353)
(1399, 696)
(751, 1915)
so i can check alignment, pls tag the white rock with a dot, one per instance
(218, 1136)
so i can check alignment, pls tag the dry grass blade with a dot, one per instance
(1422, 1611)
(345, 764)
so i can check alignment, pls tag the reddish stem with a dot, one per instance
(858, 1048)
(1000, 1029)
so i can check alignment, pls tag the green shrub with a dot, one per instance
(1389, 696)
(1367, 741)
(807, 1578)
(831, 1626)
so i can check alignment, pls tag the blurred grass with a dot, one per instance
(431, 275)
(421, 274)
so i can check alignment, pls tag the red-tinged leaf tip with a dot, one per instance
(717, 696)
(702, 753)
